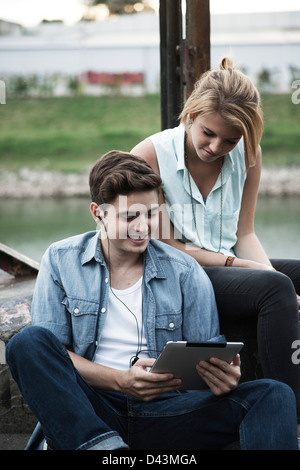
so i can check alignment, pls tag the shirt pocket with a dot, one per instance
(168, 321)
(83, 315)
(168, 328)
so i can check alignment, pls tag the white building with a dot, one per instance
(130, 44)
(7, 27)
(260, 42)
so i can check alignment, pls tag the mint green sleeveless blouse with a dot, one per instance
(199, 223)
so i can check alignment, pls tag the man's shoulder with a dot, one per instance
(75, 242)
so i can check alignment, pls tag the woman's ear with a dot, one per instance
(190, 119)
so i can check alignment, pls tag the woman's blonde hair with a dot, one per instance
(230, 93)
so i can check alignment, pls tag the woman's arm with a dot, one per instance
(249, 252)
(248, 248)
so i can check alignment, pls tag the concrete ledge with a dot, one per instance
(15, 301)
(13, 441)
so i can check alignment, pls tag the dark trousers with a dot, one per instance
(269, 298)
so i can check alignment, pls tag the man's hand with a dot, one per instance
(141, 384)
(220, 376)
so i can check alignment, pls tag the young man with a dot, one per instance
(104, 306)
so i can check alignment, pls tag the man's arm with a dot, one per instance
(136, 382)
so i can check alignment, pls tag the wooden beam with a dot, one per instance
(13, 262)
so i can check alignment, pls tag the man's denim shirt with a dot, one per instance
(71, 296)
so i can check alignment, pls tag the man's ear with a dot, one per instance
(97, 214)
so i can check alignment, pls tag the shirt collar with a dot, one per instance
(152, 266)
(93, 250)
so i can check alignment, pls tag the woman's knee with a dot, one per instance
(281, 289)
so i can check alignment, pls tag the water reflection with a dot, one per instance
(30, 226)
(277, 224)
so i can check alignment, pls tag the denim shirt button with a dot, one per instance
(106, 280)
(103, 310)
(76, 310)
(171, 325)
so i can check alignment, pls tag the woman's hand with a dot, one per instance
(250, 264)
(141, 384)
(220, 376)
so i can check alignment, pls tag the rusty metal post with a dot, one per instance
(170, 61)
(197, 41)
(182, 60)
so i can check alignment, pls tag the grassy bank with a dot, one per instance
(281, 137)
(69, 134)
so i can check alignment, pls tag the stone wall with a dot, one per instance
(15, 301)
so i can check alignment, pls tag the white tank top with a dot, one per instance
(122, 329)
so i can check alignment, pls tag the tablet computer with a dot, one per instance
(181, 357)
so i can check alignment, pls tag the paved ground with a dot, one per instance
(13, 441)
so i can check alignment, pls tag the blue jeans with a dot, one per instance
(261, 414)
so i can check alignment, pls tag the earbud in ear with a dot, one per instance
(102, 221)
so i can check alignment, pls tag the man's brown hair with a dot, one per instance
(121, 173)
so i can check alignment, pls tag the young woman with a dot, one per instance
(210, 166)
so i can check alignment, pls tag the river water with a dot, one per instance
(30, 226)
